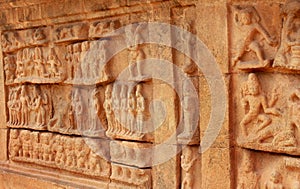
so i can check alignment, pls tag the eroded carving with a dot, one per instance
(99, 29)
(187, 162)
(71, 32)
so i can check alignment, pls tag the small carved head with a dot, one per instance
(253, 84)
(276, 177)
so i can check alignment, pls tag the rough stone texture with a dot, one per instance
(85, 103)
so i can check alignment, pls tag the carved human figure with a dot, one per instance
(100, 66)
(124, 106)
(189, 117)
(15, 143)
(24, 99)
(26, 144)
(259, 108)
(70, 152)
(54, 63)
(45, 139)
(109, 109)
(275, 181)
(289, 51)
(136, 52)
(94, 110)
(248, 20)
(84, 65)
(187, 162)
(38, 106)
(140, 108)
(82, 153)
(70, 63)
(14, 107)
(294, 109)
(9, 69)
(36, 147)
(78, 109)
(27, 62)
(116, 109)
(76, 61)
(60, 157)
(39, 62)
(20, 71)
(131, 112)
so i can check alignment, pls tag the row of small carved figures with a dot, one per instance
(31, 62)
(50, 149)
(13, 40)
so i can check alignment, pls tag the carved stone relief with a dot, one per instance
(57, 151)
(263, 170)
(288, 53)
(268, 122)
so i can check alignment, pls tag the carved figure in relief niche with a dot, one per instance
(94, 162)
(26, 144)
(6, 43)
(14, 107)
(124, 106)
(84, 65)
(27, 62)
(77, 72)
(116, 109)
(275, 181)
(140, 108)
(38, 105)
(60, 156)
(100, 65)
(289, 51)
(94, 110)
(20, 71)
(36, 149)
(136, 53)
(15, 145)
(187, 162)
(39, 62)
(256, 106)
(78, 109)
(69, 59)
(9, 69)
(294, 109)
(45, 139)
(131, 112)
(54, 63)
(70, 153)
(109, 109)
(24, 99)
(248, 179)
(252, 31)
(82, 153)
(189, 117)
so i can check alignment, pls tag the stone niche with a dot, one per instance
(86, 103)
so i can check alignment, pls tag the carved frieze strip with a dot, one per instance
(57, 108)
(57, 151)
(122, 175)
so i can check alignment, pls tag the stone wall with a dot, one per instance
(150, 94)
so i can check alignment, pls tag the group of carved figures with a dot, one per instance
(23, 103)
(31, 63)
(86, 60)
(260, 111)
(55, 150)
(124, 110)
(254, 34)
